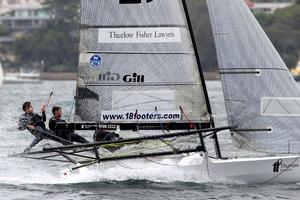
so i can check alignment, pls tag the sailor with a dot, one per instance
(35, 124)
(101, 135)
(67, 135)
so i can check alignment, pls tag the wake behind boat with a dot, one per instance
(140, 71)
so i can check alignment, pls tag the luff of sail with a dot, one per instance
(137, 59)
(261, 96)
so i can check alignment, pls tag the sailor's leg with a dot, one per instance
(78, 138)
(58, 138)
(67, 136)
(110, 136)
(51, 135)
(35, 141)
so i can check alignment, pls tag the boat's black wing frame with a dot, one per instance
(65, 152)
(182, 125)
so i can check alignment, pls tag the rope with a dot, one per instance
(187, 118)
(185, 115)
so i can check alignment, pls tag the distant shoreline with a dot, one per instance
(73, 76)
(62, 76)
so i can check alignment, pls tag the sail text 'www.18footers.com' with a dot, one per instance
(144, 116)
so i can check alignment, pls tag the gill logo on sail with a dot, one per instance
(133, 1)
(134, 78)
(131, 78)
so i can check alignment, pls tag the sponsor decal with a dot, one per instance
(276, 165)
(108, 76)
(279, 166)
(134, 78)
(166, 115)
(131, 78)
(95, 61)
(98, 126)
(139, 35)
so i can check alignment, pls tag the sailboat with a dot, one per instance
(1, 75)
(140, 75)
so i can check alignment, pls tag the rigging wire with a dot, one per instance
(70, 45)
(72, 107)
(191, 123)
(137, 151)
(160, 123)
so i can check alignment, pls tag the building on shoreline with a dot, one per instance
(22, 14)
(268, 6)
(19, 18)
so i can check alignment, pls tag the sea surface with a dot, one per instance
(22, 179)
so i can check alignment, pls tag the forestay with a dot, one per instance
(260, 93)
(137, 64)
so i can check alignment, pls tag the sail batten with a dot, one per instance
(251, 71)
(124, 52)
(83, 27)
(139, 85)
(138, 60)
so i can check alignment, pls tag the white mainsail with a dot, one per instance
(137, 58)
(261, 96)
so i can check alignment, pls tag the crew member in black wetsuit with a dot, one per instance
(102, 135)
(67, 135)
(35, 124)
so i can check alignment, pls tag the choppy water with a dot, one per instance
(30, 179)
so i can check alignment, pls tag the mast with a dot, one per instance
(216, 141)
